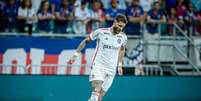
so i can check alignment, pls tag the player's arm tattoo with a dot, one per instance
(83, 44)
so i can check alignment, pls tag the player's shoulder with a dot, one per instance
(104, 29)
(123, 35)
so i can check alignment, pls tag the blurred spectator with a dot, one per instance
(171, 19)
(55, 5)
(97, 16)
(26, 16)
(1, 4)
(106, 4)
(128, 3)
(112, 12)
(1, 16)
(36, 4)
(10, 14)
(63, 16)
(163, 6)
(154, 17)
(77, 3)
(198, 27)
(146, 4)
(92, 14)
(170, 4)
(135, 15)
(72, 6)
(190, 15)
(181, 12)
(44, 17)
(122, 5)
(81, 18)
(181, 9)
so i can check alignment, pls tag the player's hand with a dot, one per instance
(72, 59)
(120, 71)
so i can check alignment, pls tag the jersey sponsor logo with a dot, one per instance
(109, 47)
(119, 36)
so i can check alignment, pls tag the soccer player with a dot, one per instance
(108, 56)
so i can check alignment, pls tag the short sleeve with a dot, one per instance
(95, 35)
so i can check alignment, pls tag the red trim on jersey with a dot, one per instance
(95, 54)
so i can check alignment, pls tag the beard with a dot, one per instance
(116, 30)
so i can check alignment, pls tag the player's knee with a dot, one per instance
(96, 89)
(97, 86)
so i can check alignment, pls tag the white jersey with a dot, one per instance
(107, 48)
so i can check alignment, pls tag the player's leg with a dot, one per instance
(96, 77)
(102, 93)
(106, 85)
(96, 89)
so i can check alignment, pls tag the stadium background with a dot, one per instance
(162, 60)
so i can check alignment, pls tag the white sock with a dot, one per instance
(94, 96)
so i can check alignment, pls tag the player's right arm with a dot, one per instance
(79, 49)
(94, 35)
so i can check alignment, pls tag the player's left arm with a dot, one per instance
(121, 54)
(120, 60)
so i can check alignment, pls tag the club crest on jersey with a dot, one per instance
(119, 41)
(106, 38)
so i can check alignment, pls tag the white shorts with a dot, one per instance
(103, 75)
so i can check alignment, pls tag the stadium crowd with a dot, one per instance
(83, 16)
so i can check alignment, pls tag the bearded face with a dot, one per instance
(118, 27)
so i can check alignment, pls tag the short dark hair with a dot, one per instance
(83, 2)
(154, 3)
(23, 4)
(121, 18)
